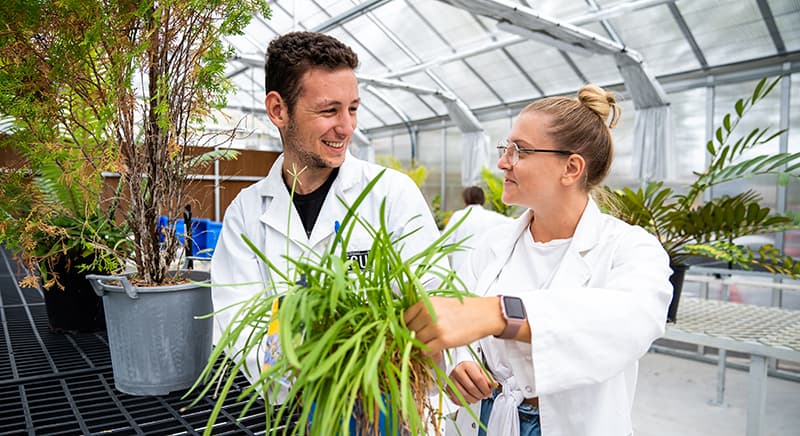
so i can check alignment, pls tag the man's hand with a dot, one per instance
(472, 382)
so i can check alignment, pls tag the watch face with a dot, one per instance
(514, 307)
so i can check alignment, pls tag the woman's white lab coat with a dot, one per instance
(606, 304)
(261, 212)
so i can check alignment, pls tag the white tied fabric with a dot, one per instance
(504, 420)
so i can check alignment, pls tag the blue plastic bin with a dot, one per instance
(205, 234)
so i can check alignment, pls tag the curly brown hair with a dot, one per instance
(290, 56)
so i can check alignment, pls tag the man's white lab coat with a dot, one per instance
(261, 211)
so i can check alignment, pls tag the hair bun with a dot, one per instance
(601, 102)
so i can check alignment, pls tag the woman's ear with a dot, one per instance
(574, 169)
(276, 109)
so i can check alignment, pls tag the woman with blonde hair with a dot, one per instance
(571, 298)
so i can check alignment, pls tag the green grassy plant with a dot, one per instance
(344, 343)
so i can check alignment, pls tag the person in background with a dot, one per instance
(477, 221)
(571, 297)
(312, 98)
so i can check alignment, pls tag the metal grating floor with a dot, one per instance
(53, 384)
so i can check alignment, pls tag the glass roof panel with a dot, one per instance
(454, 24)
(466, 85)
(367, 118)
(546, 66)
(409, 103)
(378, 43)
(728, 30)
(281, 20)
(560, 9)
(250, 86)
(423, 80)
(410, 28)
(369, 61)
(313, 13)
(655, 35)
(787, 18)
(380, 109)
(599, 69)
(249, 44)
(506, 79)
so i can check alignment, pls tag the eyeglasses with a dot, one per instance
(506, 145)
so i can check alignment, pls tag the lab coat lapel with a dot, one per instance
(279, 206)
(574, 271)
(333, 210)
(501, 251)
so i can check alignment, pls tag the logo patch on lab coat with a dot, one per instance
(359, 256)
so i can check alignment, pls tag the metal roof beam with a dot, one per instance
(687, 34)
(645, 90)
(350, 15)
(397, 84)
(612, 32)
(769, 19)
(723, 75)
(609, 12)
(457, 110)
(615, 10)
(505, 11)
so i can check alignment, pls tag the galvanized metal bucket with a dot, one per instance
(158, 344)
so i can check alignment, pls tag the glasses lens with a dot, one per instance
(506, 146)
(501, 151)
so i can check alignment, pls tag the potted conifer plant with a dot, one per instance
(149, 71)
(688, 226)
(53, 216)
(59, 233)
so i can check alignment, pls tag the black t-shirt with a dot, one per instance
(309, 205)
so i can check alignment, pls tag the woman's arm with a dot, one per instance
(459, 322)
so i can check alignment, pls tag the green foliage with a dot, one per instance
(417, 173)
(494, 193)
(688, 227)
(440, 215)
(342, 335)
(121, 87)
(45, 219)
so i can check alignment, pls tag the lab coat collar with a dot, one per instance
(573, 269)
(278, 203)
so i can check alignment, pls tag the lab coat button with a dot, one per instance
(473, 425)
(528, 389)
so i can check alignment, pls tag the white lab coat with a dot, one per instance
(477, 223)
(260, 212)
(606, 304)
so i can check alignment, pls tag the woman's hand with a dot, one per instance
(473, 383)
(458, 322)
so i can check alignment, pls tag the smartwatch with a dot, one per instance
(514, 314)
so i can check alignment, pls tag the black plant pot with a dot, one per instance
(76, 308)
(678, 274)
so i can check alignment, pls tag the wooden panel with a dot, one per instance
(249, 163)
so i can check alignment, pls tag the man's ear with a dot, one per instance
(277, 111)
(574, 169)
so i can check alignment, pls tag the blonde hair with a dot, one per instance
(582, 125)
